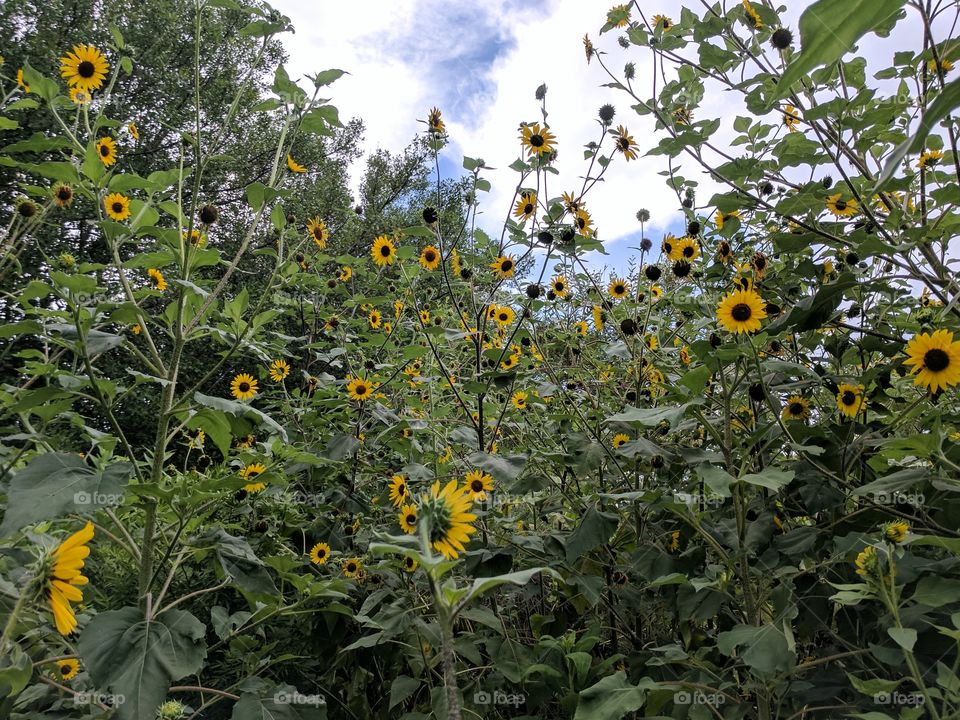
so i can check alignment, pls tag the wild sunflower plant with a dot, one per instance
(405, 464)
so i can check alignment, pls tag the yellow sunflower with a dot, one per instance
(526, 206)
(504, 316)
(320, 553)
(409, 564)
(375, 319)
(425, 317)
(618, 288)
(667, 23)
(741, 311)
(159, 281)
(317, 229)
(346, 272)
(279, 370)
(620, 439)
(21, 83)
(724, 253)
(435, 121)
(243, 387)
(107, 150)
(479, 484)
(896, 531)
(294, 166)
(449, 518)
(250, 472)
(866, 561)
(624, 143)
(929, 158)
(132, 129)
(360, 389)
(383, 251)
(935, 358)
(560, 286)
(519, 400)
(65, 576)
(796, 408)
(571, 203)
(598, 317)
(752, 16)
(68, 668)
(619, 16)
(399, 492)
(721, 217)
(584, 223)
(430, 258)
(80, 96)
(686, 248)
(759, 265)
(63, 195)
(849, 399)
(537, 140)
(408, 519)
(504, 266)
(117, 206)
(581, 327)
(352, 567)
(85, 68)
(791, 118)
(839, 207)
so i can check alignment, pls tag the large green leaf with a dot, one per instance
(138, 658)
(828, 30)
(520, 578)
(286, 703)
(501, 467)
(594, 530)
(764, 649)
(612, 698)
(58, 484)
(238, 561)
(239, 409)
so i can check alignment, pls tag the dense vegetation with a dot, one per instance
(274, 451)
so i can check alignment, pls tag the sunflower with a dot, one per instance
(581, 327)
(944, 67)
(320, 553)
(409, 564)
(117, 206)
(375, 319)
(598, 317)
(685, 355)
(425, 317)
(68, 668)
(317, 229)
(504, 266)
(936, 359)
(251, 472)
(620, 439)
(619, 16)
(537, 140)
(526, 206)
(63, 195)
(741, 311)
(243, 387)
(618, 288)
(246, 442)
(584, 223)
(685, 248)
(519, 400)
(346, 272)
(352, 567)
(159, 282)
(759, 265)
(136, 329)
(455, 262)
(849, 399)
(399, 492)
(791, 118)
(683, 116)
(571, 203)
(430, 258)
(752, 16)
(560, 286)
(132, 129)
(383, 251)
(624, 143)
(21, 83)
(667, 22)
(724, 253)
(449, 518)
(866, 561)
(65, 575)
(797, 408)
(294, 166)
(107, 150)
(279, 370)
(656, 292)
(360, 388)
(435, 121)
(85, 68)
(929, 158)
(721, 217)
(408, 519)
(896, 531)
(80, 96)
(841, 208)
(479, 483)
(510, 362)
(504, 316)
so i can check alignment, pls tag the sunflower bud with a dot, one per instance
(781, 38)
(209, 214)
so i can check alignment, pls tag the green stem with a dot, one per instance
(14, 615)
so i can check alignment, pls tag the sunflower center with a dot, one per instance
(361, 390)
(741, 312)
(64, 193)
(401, 489)
(667, 248)
(559, 287)
(528, 208)
(619, 289)
(430, 257)
(841, 204)
(476, 486)
(623, 143)
(537, 140)
(760, 263)
(411, 519)
(849, 397)
(688, 251)
(65, 669)
(117, 207)
(105, 150)
(243, 387)
(506, 265)
(86, 69)
(385, 250)
(321, 553)
(502, 317)
(796, 408)
(351, 567)
(936, 360)
(318, 233)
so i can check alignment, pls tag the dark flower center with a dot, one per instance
(321, 553)
(86, 69)
(537, 140)
(503, 317)
(741, 312)
(64, 193)
(506, 265)
(385, 250)
(528, 208)
(65, 669)
(667, 248)
(623, 143)
(429, 256)
(559, 287)
(724, 249)
(796, 408)
(619, 289)
(351, 567)
(936, 360)
(318, 233)
(476, 486)
(361, 390)
(688, 251)
(760, 263)
(105, 150)
(841, 204)
(117, 207)
(849, 397)
(411, 519)
(243, 387)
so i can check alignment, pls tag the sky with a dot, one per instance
(481, 63)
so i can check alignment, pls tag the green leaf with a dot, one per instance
(520, 578)
(764, 649)
(328, 77)
(238, 561)
(239, 409)
(139, 658)
(770, 478)
(505, 468)
(828, 30)
(716, 479)
(944, 104)
(401, 688)
(15, 672)
(935, 591)
(904, 637)
(611, 698)
(594, 530)
(651, 417)
(58, 484)
(286, 703)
